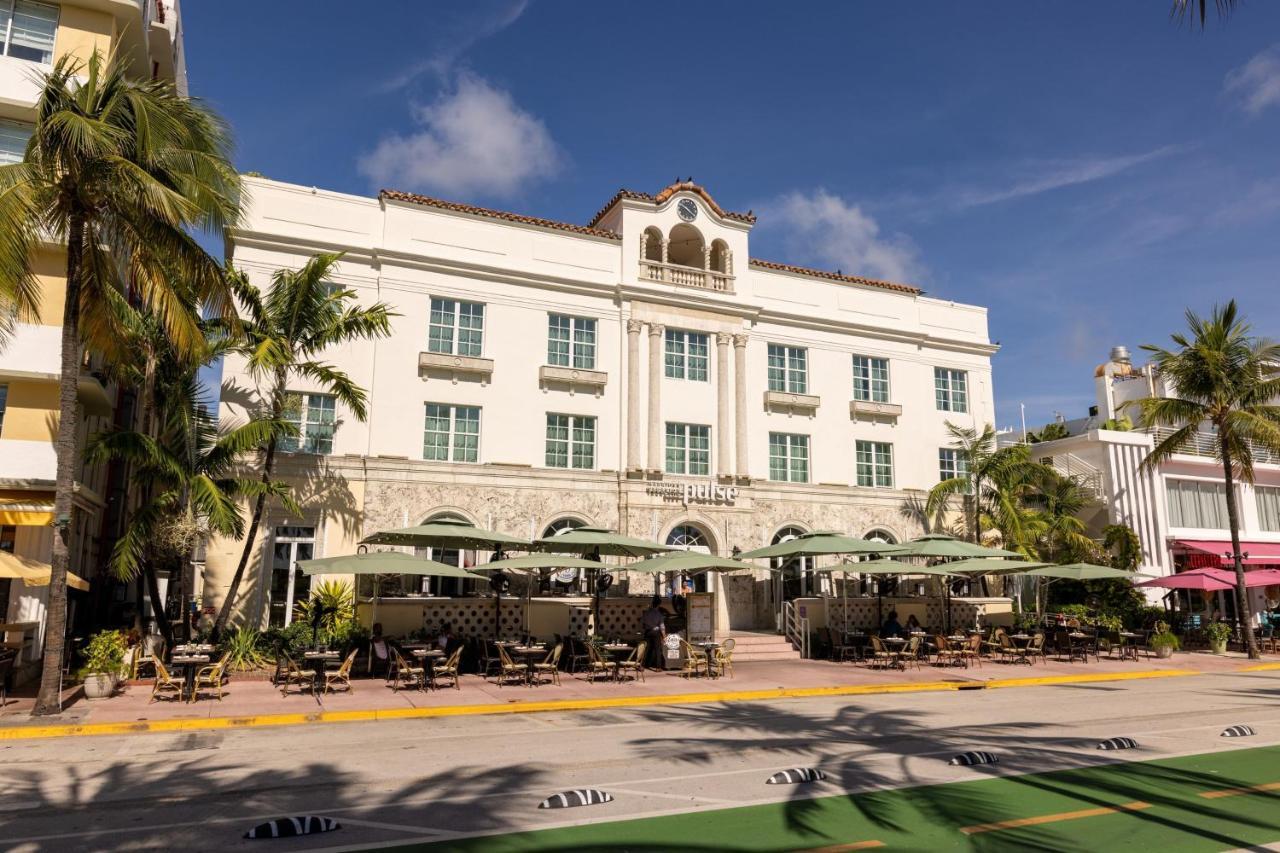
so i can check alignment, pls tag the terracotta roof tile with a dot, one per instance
(428, 201)
(666, 193)
(835, 276)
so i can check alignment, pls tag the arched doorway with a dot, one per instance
(448, 587)
(797, 574)
(565, 581)
(686, 247)
(691, 537)
(888, 583)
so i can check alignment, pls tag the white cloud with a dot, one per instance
(1256, 84)
(456, 35)
(1056, 174)
(474, 140)
(823, 229)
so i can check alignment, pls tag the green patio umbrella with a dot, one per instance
(1082, 572)
(598, 542)
(688, 561)
(949, 547)
(821, 542)
(450, 533)
(973, 567)
(382, 563)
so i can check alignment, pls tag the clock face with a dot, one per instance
(687, 209)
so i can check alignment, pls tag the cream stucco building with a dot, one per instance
(34, 36)
(641, 372)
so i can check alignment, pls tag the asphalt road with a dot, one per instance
(445, 778)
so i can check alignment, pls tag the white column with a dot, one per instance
(634, 462)
(740, 402)
(724, 468)
(656, 332)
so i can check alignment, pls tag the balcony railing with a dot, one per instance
(1206, 444)
(686, 276)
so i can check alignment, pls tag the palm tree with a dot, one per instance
(1185, 8)
(1225, 378)
(118, 170)
(284, 334)
(190, 470)
(1121, 543)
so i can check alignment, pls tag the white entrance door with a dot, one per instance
(288, 585)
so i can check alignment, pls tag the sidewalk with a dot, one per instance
(254, 701)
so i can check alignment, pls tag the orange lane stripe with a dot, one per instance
(840, 848)
(1053, 818)
(1235, 792)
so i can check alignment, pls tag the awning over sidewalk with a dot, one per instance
(34, 572)
(1256, 553)
(25, 510)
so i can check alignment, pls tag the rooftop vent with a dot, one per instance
(1120, 355)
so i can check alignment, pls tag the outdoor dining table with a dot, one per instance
(1129, 645)
(530, 655)
(319, 659)
(428, 657)
(190, 664)
(708, 647)
(896, 644)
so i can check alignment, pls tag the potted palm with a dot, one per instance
(1217, 633)
(1163, 642)
(103, 663)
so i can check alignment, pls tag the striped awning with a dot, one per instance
(30, 510)
(34, 572)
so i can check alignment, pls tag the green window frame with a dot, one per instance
(870, 379)
(875, 464)
(456, 327)
(571, 341)
(688, 449)
(451, 433)
(686, 355)
(571, 441)
(951, 389)
(788, 369)
(788, 457)
(315, 416)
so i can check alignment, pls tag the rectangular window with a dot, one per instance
(951, 388)
(688, 449)
(451, 433)
(788, 457)
(571, 441)
(28, 29)
(13, 140)
(1193, 503)
(1268, 498)
(4, 401)
(457, 328)
(315, 416)
(788, 369)
(870, 379)
(571, 342)
(951, 464)
(686, 355)
(875, 464)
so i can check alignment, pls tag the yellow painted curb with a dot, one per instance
(8, 733)
(1260, 667)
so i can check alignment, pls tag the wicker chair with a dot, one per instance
(634, 664)
(881, 656)
(944, 654)
(341, 677)
(549, 667)
(695, 660)
(971, 652)
(596, 665)
(490, 660)
(210, 678)
(166, 684)
(404, 674)
(446, 674)
(509, 670)
(295, 676)
(141, 658)
(912, 653)
(721, 660)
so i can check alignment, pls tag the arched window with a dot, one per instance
(686, 247)
(888, 583)
(689, 537)
(448, 556)
(720, 257)
(572, 581)
(651, 244)
(881, 536)
(798, 577)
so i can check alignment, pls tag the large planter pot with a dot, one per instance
(1163, 651)
(1218, 647)
(99, 685)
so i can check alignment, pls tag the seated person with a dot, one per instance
(891, 627)
(913, 624)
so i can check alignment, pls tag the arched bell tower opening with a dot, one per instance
(686, 247)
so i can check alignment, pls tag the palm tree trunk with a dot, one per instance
(1243, 610)
(250, 538)
(49, 699)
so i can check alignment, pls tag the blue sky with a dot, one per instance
(1086, 170)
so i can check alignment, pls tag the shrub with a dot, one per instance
(1164, 637)
(1217, 632)
(104, 653)
(292, 640)
(349, 635)
(331, 601)
(244, 647)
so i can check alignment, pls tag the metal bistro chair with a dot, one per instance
(971, 651)
(881, 656)
(295, 676)
(634, 664)
(166, 684)
(210, 677)
(341, 678)
(722, 659)
(912, 652)
(549, 667)
(510, 670)
(490, 660)
(694, 660)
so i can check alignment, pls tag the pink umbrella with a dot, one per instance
(1214, 580)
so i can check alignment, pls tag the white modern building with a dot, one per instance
(1178, 509)
(34, 36)
(640, 372)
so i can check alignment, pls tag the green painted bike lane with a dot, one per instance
(1150, 805)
